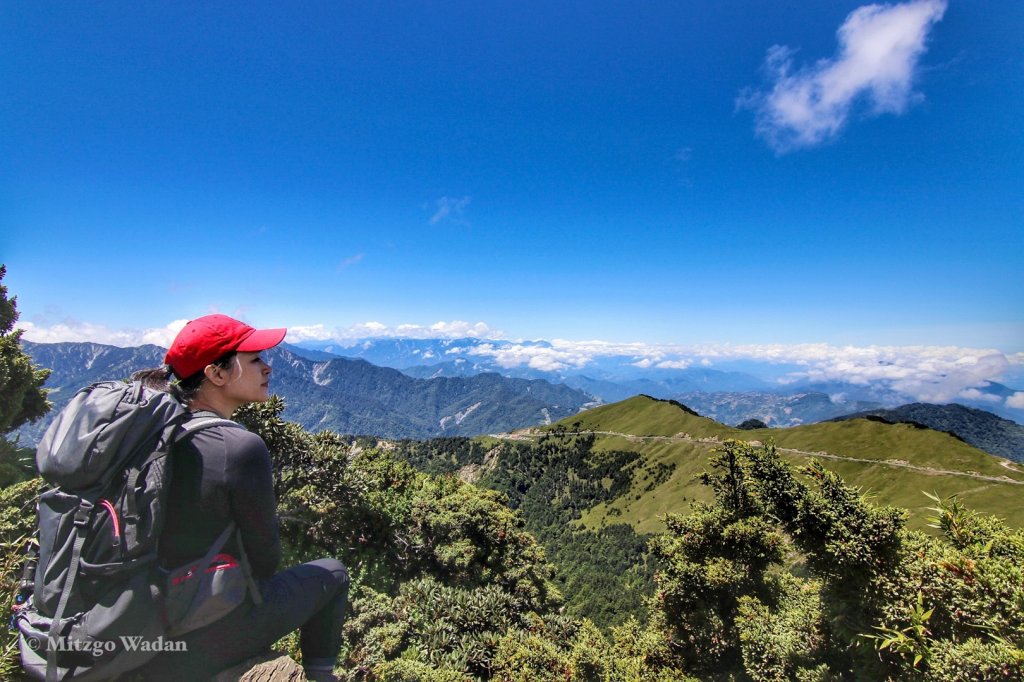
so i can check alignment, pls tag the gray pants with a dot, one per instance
(310, 598)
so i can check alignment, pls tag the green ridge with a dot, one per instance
(664, 432)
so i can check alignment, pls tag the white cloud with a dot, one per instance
(313, 332)
(350, 261)
(450, 208)
(1016, 400)
(455, 329)
(460, 329)
(365, 329)
(674, 364)
(928, 373)
(879, 49)
(975, 394)
(544, 358)
(74, 330)
(164, 335)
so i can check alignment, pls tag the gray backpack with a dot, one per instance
(97, 606)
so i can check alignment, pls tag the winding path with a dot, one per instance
(529, 435)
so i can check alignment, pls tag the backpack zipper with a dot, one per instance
(114, 520)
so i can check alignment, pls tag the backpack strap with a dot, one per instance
(257, 598)
(82, 516)
(204, 419)
(201, 420)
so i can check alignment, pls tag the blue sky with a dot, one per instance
(665, 172)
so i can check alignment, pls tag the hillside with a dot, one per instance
(895, 462)
(983, 430)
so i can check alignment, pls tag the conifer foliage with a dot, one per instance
(22, 398)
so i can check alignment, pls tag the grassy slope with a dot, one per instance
(862, 439)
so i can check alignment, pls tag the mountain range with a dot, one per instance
(340, 394)
(732, 392)
(459, 397)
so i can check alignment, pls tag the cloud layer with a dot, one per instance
(86, 332)
(928, 373)
(878, 53)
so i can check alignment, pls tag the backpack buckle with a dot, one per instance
(84, 513)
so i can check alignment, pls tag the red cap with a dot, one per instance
(202, 341)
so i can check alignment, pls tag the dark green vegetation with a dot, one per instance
(983, 430)
(21, 396)
(21, 401)
(605, 573)
(870, 599)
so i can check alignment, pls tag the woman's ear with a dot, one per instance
(215, 375)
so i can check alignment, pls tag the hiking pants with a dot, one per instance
(310, 597)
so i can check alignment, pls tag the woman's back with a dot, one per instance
(218, 475)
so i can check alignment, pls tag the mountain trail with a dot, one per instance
(529, 434)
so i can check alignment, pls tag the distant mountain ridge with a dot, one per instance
(355, 396)
(340, 394)
(786, 395)
(982, 429)
(774, 409)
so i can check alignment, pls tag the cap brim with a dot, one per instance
(261, 339)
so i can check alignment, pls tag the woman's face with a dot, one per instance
(248, 379)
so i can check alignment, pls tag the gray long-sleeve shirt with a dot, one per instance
(220, 474)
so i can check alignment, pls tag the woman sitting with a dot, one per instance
(222, 475)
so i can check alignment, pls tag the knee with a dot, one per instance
(337, 570)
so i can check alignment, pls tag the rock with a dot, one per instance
(268, 667)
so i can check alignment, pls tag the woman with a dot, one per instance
(222, 474)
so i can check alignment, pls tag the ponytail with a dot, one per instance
(183, 390)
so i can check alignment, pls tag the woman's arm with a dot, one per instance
(252, 500)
